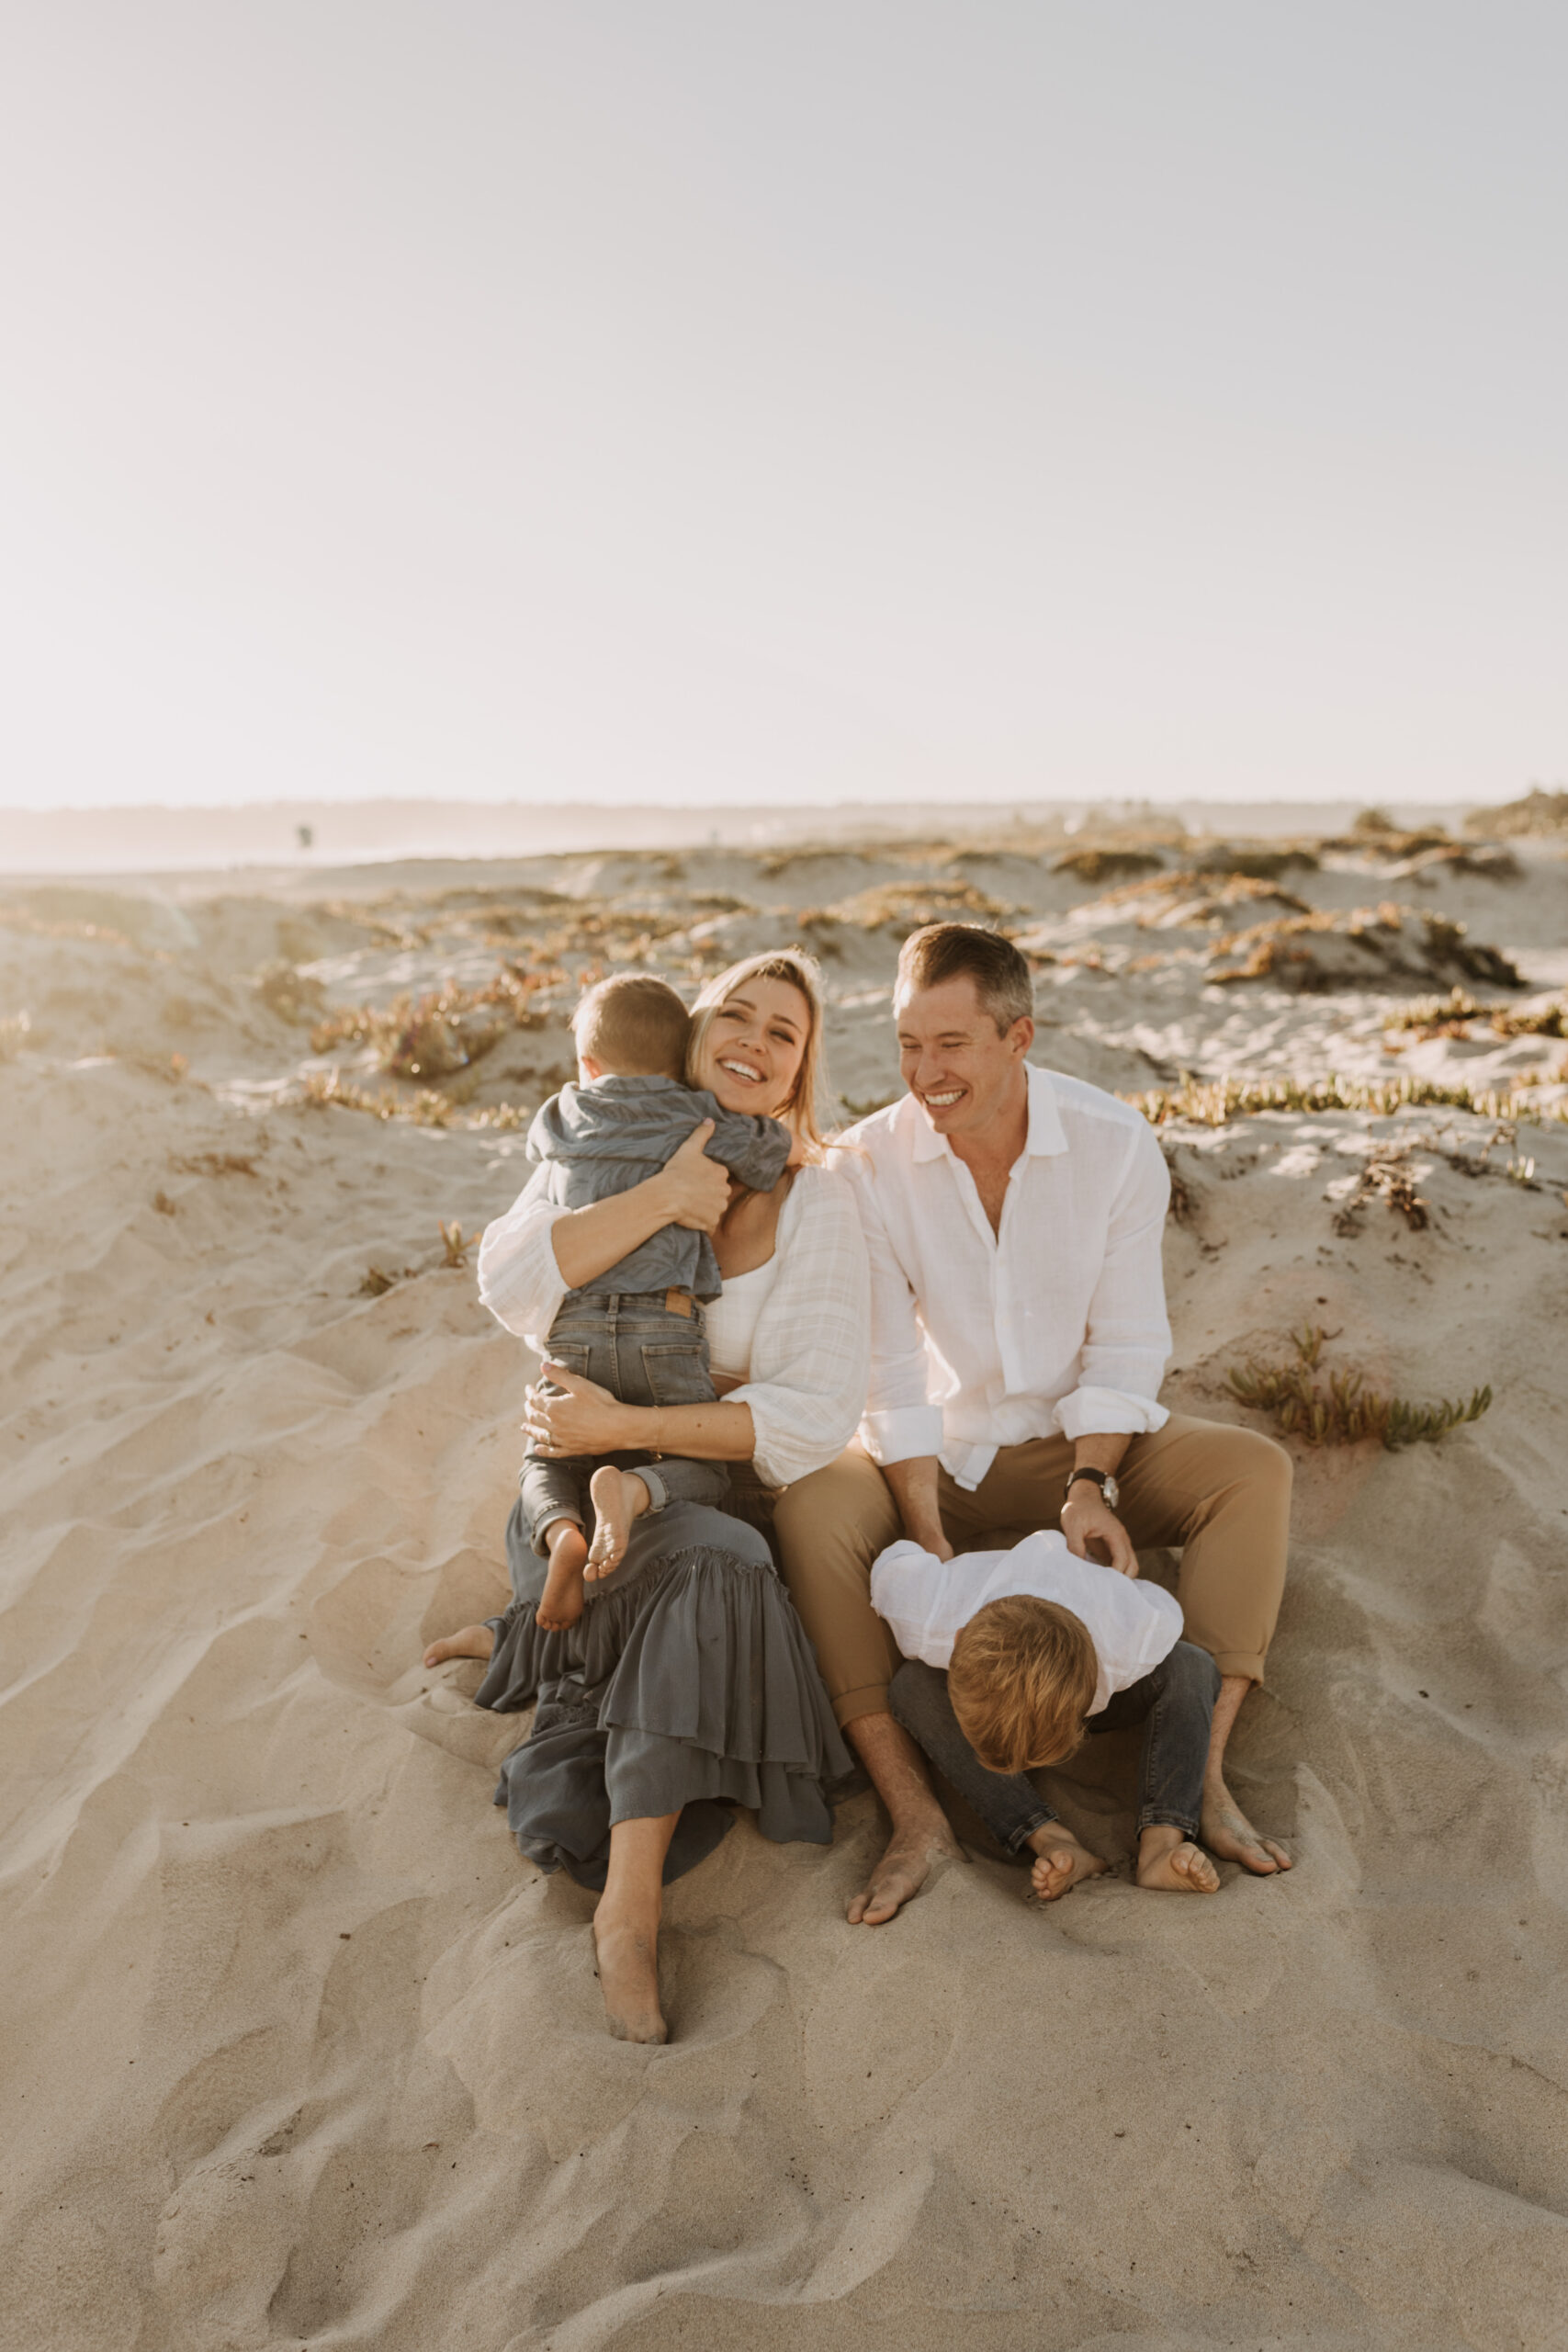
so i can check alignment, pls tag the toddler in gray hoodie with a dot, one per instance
(637, 1329)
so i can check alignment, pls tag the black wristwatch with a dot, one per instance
(1109, 1492)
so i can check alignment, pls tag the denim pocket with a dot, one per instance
(676, 1373)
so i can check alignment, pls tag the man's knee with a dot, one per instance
(837, 1518)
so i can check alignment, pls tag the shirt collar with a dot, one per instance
(1046, 1134)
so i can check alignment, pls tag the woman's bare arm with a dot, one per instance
(689, 1190)
(588, 1420)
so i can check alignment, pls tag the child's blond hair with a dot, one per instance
(1021, 1679)
(633, 1025)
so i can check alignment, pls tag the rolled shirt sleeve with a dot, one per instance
(1127, 1334)
(519, 1279)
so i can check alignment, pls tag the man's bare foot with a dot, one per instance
(474, 1641)
(911, 1855)
(1226, 1831)
(1172, 1864)
(626, 1955)
(560, 1603)
(619, 1497)
(1060, 1862)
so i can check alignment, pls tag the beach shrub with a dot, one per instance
(1539, 815)
(1343, 1410)
(1096, 865)
(1215, 1102)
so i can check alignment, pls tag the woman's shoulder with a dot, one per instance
(820, 1210)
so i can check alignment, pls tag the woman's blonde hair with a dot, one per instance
(803, 1110)
(1021, 1679)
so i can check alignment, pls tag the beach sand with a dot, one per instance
(299, 2051)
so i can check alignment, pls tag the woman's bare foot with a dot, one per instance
(626, 1955)
(619, 1497)
(560, 1603)
(474, 1641)
(1226, 1831)
(1172, 1864)
(1061, 1862)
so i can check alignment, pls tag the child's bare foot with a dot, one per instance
(1061, 1861)
(1169, 1861)
(619, 1497)
(474, 1641)
(560, 1603)
(627, 1957)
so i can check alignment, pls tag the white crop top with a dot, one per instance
(732, 1319)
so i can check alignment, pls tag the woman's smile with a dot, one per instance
(754, 1048)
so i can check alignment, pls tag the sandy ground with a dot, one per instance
(300, 2053)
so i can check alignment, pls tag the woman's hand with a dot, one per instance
(586, 1420)
(696, 1189)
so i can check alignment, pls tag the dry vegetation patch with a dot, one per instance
(1319, 950)
(1342, 1410)
(1213, 1103)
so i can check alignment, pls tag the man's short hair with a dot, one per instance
(1021, 1679)
(634, 1025)
(947, 951)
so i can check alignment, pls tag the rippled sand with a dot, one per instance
(299, 2050)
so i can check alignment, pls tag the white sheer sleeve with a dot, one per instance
(811, 1353)
(519, 1279)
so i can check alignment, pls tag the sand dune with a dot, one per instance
(299, 2051)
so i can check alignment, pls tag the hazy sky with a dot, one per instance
(700, 400)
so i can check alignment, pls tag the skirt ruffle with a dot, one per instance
(687, 1686)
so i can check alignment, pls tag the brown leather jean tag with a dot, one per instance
(678, 1302)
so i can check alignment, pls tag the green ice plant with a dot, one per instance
(1347, 1411)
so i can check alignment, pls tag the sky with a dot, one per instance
(701, 401)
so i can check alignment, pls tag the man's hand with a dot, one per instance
(1094, 1532)
(696, 1189)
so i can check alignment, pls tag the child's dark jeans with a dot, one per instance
(645, 1347)
(1176, 1702)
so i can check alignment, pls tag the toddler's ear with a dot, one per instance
(588, 1068)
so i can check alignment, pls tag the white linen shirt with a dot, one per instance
(1057, 1321)
(926, 1602)
(810, 1351)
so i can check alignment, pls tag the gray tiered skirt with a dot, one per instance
(686, 1686)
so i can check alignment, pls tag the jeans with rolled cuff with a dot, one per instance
(645, 1352)
(1175, 1703)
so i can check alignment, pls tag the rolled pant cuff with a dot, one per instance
(870, 1699)
(1154, 1817)
(1247, 1662)
(1020, 1838)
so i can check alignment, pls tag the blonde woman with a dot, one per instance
(688, 1683)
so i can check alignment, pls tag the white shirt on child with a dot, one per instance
(925, 1602)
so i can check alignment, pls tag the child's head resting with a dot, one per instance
(632, 1025)
(1021, 1679)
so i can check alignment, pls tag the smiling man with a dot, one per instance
(1014, 1219)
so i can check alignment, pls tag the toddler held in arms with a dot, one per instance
(1039, 1648)
(636, 1329)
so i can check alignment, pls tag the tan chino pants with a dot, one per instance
(1221, 1493)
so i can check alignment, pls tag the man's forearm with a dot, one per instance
(1101, 1452)
(914, 1485)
